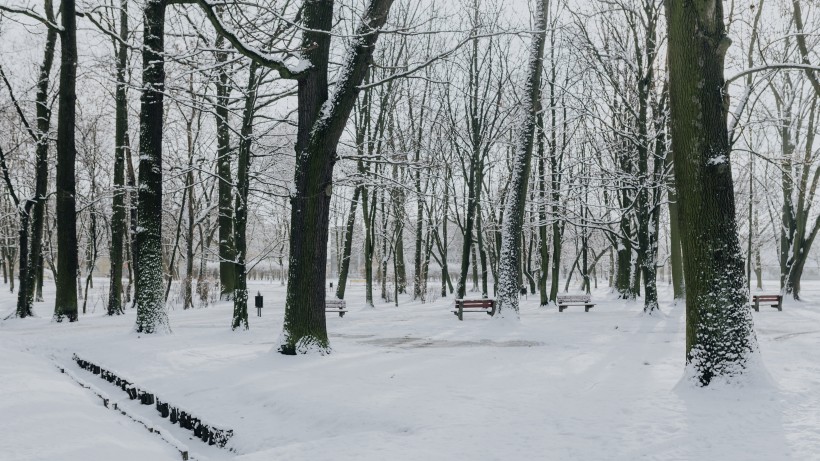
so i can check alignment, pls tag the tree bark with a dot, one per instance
(348, 244)
(510, 257)
(719, 335)
(304, 328)
(118, 215)
(151, 315)
(227, 277)
(676, 257)
(65, 306)
(33, 253)
(543, 245)
(240, 298)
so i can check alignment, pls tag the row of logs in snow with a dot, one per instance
(208, 434)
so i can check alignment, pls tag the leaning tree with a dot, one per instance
(511, 228)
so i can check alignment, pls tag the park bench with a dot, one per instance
(565, 301)
(336, 305)
(474, 305)
(776, 300)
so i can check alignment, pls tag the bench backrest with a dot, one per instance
(482, 303)
(766, 297)
(573, 299)
(335, 304)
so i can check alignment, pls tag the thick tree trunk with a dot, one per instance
(510, 257)
(118, 215)
(151, 315)
(719, 334)
(65, 306)
(304, 328)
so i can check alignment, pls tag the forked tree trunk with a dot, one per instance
(719, 334)
(304, 328)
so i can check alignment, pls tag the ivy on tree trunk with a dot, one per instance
(151, 315)
(719, 334)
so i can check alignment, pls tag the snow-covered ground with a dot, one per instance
(411, 383)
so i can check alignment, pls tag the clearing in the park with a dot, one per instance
(408, 383)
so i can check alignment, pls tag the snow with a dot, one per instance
(412, 382)
(719, 160)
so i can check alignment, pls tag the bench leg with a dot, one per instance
(461, 313)
(561, 308)
(341, 314)
(588, 307)
(757, 306)
(780, 304)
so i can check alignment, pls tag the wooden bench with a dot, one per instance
(474, 305)
(565, 301)
(776, 299)
(336, 305)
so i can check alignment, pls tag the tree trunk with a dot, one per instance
(510, 258)
(187, 289)
(151, 315)
(472, 200)
(118, 215)
(543, 246)
(417, 272)
(29, 271)
(348, 244)
(38, 296)
(676, 258)
(304, 328)
(240, 299)
(227, 277)
(719, 335)
(65, 306)
(369, 215)
(482, 253)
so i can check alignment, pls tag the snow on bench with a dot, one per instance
(565, 301)
(336, 305)
(474, 305)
